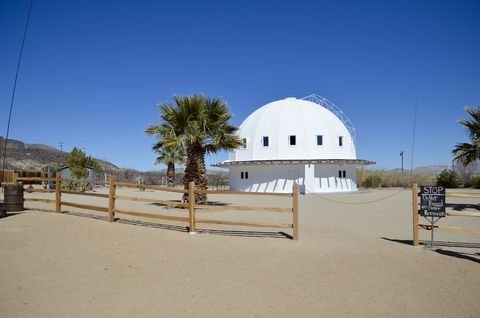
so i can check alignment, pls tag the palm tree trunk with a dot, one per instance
(171, 174)
(195, 171)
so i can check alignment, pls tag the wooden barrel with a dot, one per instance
(13, 198)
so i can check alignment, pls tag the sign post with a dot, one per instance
(432, 205)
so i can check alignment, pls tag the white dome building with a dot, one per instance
(309, 141)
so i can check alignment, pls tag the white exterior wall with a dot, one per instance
(318, 178)
(327, 180)
(266, 178)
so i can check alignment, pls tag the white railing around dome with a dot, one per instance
(322, 101)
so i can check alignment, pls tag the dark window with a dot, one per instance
(265, 141)
(340, 141)
(292, 140)
(319, 140)
(246, 174)
(241, 175)
(244, 143)
(344, 174)
(339, 173)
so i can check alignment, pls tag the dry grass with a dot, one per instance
(388, 179)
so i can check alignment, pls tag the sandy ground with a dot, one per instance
(353, 259)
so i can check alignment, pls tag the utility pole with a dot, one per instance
(61, 146)
(401, 156)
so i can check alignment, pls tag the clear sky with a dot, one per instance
(94, 71)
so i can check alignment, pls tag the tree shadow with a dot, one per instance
(462, 206)
(474, 257)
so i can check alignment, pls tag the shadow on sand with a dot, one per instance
(178, 228)
(212, 203)
(462, 206)
(474, 257)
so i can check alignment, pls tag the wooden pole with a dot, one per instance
(415, 213)
(58, 192)
(295, 211)
(191, 207)
(111, 199)
(14, 179)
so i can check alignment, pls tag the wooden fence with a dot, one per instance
(8, 176)
(189, 193)
(30, 177)
(428, 227)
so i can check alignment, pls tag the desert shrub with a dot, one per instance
(447, 179)
(69, 185)
(372, 181)
(74, 185)
(474, 182)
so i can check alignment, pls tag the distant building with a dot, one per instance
(309, 141)
(67, 174)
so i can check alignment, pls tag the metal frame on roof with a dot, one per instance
(295, 161)
(322, 101)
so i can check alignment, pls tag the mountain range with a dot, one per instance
(33, 157)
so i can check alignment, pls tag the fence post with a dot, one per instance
(415, 213)
(58, 192)
(295, 211)
(111, 199)
(191, 207)
(14, 179)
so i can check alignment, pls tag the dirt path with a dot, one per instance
(351, 260)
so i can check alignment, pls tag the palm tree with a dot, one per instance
(467, 153)
(169, 156)
(201, 126)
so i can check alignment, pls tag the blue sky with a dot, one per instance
(94, 71)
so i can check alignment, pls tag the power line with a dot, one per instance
(15, 88)
(358, 203)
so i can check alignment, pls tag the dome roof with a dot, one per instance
(303, 119)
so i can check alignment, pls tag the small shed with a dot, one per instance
(67, 174)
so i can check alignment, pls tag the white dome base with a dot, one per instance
(279, 178)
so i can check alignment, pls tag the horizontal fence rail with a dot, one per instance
(35, 179)
(153, 216)
(189, 203)
(165, 202)
(149, 187)
(100, 195)
(243, 193)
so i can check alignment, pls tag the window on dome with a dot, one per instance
(344, 173)
(241, 175)
(244, 143)
(339, 173)
(292, 140)
(340, 141)
(246, 174)
(319, 140)
(265, 141)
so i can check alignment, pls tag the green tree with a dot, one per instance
(77, 160)
(169, 156)
(200, 125)
(469, 152)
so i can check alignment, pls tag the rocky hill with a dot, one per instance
(33, 157)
